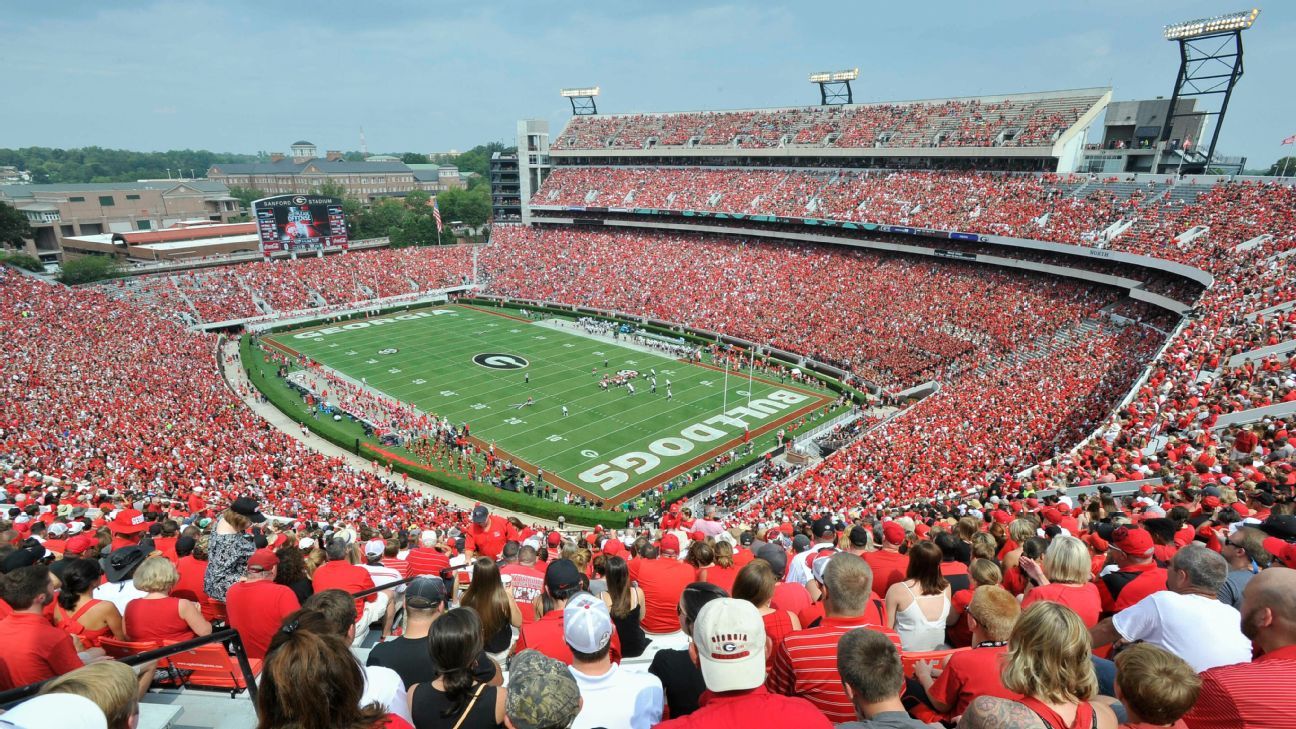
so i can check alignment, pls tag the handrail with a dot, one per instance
(15, 695)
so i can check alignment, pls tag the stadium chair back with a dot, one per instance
(938, 659)
(212, 610)
(126, 648)
(211, 667)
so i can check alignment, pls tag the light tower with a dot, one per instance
(835, 86)
(582, 100)
(1210, 63)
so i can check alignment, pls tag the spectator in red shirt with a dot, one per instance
(1256, 695)
(972, 673)
(33, 649)
(889, 566)
(257, 605)
(755, 584)
(729, 646)
(1155, 686)
(488, 534)
(192, 566)
(872, 677)
(804, 660)
(1064, 578)
(562, 580)
(340, 574)
(527, 582)
(663, 579)
(430, 558)
(1137, 575)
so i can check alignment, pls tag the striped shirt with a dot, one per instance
(805, 665)
(426, 561)
(1255, 695)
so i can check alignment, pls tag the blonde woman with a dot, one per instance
(1049, 663)
(1064, 578)
(159, 616)
(109, 684)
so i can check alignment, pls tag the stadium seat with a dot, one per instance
(938, 659)
(211, 667)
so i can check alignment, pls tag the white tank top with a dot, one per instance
(917, 633)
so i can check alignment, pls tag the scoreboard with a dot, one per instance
(299, 223)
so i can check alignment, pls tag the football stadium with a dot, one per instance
(969, 411)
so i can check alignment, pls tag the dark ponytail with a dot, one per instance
(454, 642)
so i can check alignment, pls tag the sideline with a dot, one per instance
(232, 364)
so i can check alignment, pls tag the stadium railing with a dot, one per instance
(228, 636)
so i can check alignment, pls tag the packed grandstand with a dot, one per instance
(1080, 395)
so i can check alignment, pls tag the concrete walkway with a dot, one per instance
(232, 365)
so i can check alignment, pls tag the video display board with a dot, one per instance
(299, 223)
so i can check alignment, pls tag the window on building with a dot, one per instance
(76, 198)
(143, 225)
(106, 201)
(132, 197)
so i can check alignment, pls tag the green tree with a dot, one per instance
(1284, 167)
(384, 218)
(329, 188)
(13, 226)
(414, 158)
(477, 159)
(471, 207)
(246, 195)
(86, 269)
(419, 202)
(96, 164)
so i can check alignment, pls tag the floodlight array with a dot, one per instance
(1209, 26)
(577, 93)
(824, 77)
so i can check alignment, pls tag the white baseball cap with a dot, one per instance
(730, 639)
(64, 711)
(587, 623)
(375, 548)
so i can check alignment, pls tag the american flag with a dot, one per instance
(1290, 140)
(436, 215)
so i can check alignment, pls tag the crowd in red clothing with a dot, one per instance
(1008, 122)
(232, 292)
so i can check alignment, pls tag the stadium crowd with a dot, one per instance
(1008, 122)
(121, 442)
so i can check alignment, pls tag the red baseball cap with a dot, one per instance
(614, 548)
(128, 521)
(79, 544)
(893, 532)
(1284, 552)
(1132, 541)
(697, 536)
(1211, 502)
(555, 539)
(670, 543)
(262, 560)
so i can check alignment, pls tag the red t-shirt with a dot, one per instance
(157, 620)
(190, 584)
(528, 583)
(757, 707)
(970, 674)
(489, 540)
(1247, 695)
(34, 650)
(426, 561)
(790, 596)
(342, 575)
(256, 610)
(722, 577)
(166, 545)
(1083, 599)
(663, 581)
(959, 635)
(546, 636)
(1150, 579)
(888, 568)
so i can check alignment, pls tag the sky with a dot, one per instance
(241, 76)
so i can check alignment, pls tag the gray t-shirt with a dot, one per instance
(1230, 593)
(889, 720)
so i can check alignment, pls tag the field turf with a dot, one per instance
(610, 446)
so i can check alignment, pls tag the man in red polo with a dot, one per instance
(257, 605)
(972, 673)
(340, 574)
(805, 663)
(488, 534)
(1256, 695)
(33, 649)
(1137, 575)
(561, 581)
(889, 566)
(663, 579)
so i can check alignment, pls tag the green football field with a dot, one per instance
(480, 366)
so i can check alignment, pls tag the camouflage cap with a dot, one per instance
(542, 693)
